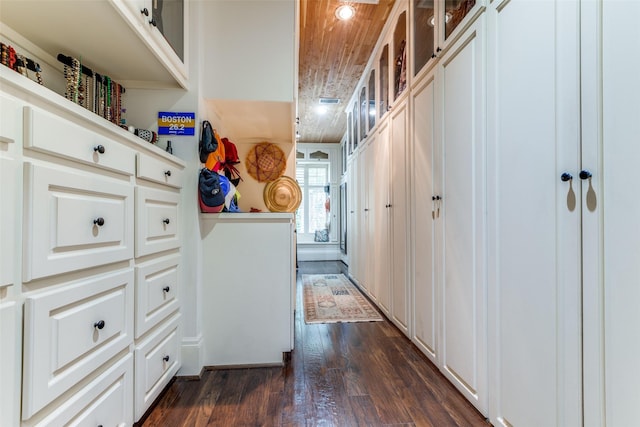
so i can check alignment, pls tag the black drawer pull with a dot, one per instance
(167, 173)
(99, 324)
(166, 358)
(99, 149)
(166, 221)
(145, 11)
(99, 221)
(166, 289)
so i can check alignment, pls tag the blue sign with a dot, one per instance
(170, 123)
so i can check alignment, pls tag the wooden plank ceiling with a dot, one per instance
(332, 58)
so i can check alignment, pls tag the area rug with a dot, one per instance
(332, 298)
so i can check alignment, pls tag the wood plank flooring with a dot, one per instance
(345, 374)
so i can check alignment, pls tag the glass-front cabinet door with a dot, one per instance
(371, 105)
(384, 81)
(168, 16)
(363, 113)
(354, 128)
(400, 55)
(424, 22)
(454, 13)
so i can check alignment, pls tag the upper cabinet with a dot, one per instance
(424, 21)
(384, 80)
(400, 55)
(139, 43)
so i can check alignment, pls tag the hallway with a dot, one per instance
(345, 374)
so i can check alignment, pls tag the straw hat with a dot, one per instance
(282, 195)
(266, 162)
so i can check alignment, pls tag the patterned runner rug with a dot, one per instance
(332, 298)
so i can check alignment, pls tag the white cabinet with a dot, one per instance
(130, 47)
(248, 289)
(397, 206)
(615, 321)
(380, 263)
(156, 291)
(157, 359)
(534, 225)
(10, 166)
(71, 331)
(426, 212)
(106, 401)
(53, 135)
(10, 362)
(463, 300)
(156, 221)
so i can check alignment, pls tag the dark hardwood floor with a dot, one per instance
(345, 374)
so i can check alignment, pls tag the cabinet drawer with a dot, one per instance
(10, 123)
(63, 217)
(71, 331)
(156, 292)
(157, 359)
(106, 401)
(156, 221)
(8, 219)
(158, 170)
(54, 135)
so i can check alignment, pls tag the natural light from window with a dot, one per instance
(313, 215)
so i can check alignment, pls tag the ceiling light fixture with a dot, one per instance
(345, 12)
(447, 18)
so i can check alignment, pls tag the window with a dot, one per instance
(312, 217)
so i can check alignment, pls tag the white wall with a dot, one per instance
(258, 47)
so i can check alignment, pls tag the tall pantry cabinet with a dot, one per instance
(534, 251)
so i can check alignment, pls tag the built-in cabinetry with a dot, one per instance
(249, 307)
(522, 250)
(95, 248)
(132, 51)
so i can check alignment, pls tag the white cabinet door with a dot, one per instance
(398, 224)
(424, 297)
(533, 222)
(381, 263)
(353, 192)
(621, 210)
(10, 362)
(464, 292)
(10, 141)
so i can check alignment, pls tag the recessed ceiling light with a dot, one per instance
(321, 109)
(345, 12)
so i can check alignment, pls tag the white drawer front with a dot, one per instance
(8, 220)
(63, 218)
(156, 221)
(54, 135)
(10, 123)
(106, 401)
(156, 292)
(157, 360)
(71, 331)
(158, 170)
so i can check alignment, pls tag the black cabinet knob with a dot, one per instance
(433, 55)
(99, 221)
(167, 173)
(145, 11)
(166, 289)
(438, 49)
(566, 177)
(153, 22)
(99, 324)
(166, 221)
(99, 149)
(585, 174)
(166, 358)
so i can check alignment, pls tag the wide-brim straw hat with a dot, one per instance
(266, 162)
(282, 195)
